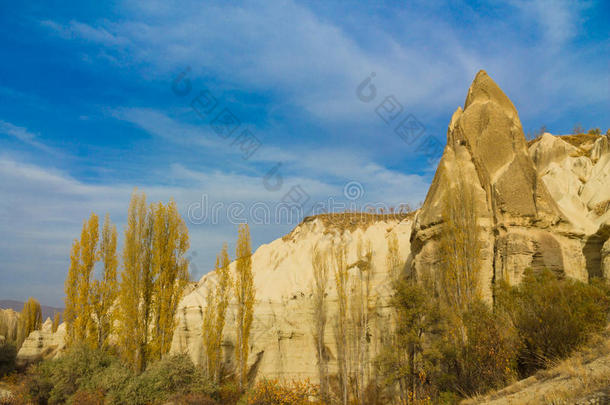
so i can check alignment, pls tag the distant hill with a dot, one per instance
(47, 312)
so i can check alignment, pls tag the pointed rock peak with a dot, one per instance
(483, 89)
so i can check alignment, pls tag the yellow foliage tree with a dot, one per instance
(71, 289)
(207, 330)
(393, 262)
(321, 266)
(153, 278)
(104, 291)
(245, 295)
(56, 321)
(215, 314)
(460, 248)
(135, 289)
(341, 325)
(361, 310)
(88, 258)
(170, 242)
(83, 256)
(31, 317)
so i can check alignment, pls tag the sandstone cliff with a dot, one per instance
(522, 224)
(282, 333)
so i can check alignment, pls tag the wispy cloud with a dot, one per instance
(25, 136)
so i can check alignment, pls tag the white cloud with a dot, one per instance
(42, 210)
(25, 136)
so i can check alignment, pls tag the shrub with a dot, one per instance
(193, 399)
(485, 360)
(56, 381)
(8, 353)
(552, 315)
(173, 375)
(229, 392)
(87, 376)
(272, 392)
(83, 397)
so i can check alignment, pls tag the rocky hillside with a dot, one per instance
(282, 332)
(583, 379)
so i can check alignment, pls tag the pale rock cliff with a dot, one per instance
(576, 171)
(522, 223)
(42, 344)
(282, 333)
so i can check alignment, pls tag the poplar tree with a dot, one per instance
(460, 248)
(31, 317)
(88, 258)
(56, 320)
(207, 330)
(71, 289)
(393, 261)
(169, 272)
(362, 308)
(135, 287)
(104, 291)
(215, 314)
(245, 294)
(153, 278)
(320, 287)
(83, 256)
(341, 329)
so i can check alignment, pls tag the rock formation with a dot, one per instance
(522, 224)
(9, 324)
(42, 344)
(282, 342)
(576, 171)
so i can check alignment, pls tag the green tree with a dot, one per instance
(408, 360)
(552, 315)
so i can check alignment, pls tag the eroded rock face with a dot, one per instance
(282, 331)
(576, 171)
(521, 225)
(42, 344)
(578, 177)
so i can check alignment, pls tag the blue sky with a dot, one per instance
(88, 111)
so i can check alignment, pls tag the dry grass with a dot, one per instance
(350, 221)
(601, 208)
(583, 376)
(580, 140)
